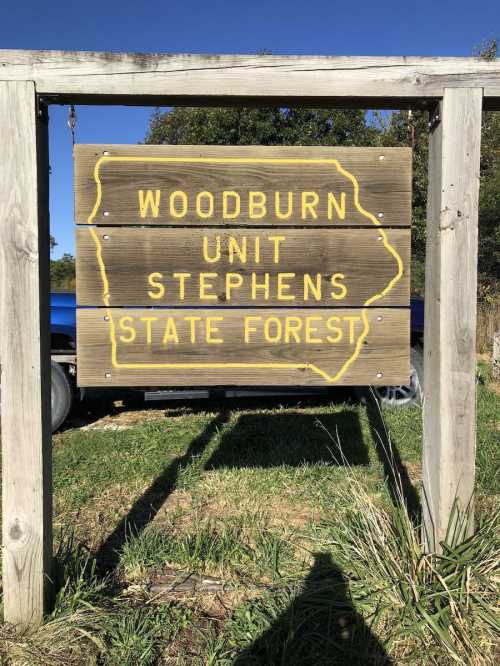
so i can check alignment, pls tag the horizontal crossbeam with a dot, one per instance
(142, 78)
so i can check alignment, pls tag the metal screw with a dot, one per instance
(107, 375)
(105, 237)
(379, 375)
(106, 213)
(379, 318)
(381, 157)
(380, 215)
(380, 238)
(106, 317)
(106, 152)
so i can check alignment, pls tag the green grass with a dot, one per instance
(295, 507)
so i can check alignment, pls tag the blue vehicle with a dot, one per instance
(64, 363)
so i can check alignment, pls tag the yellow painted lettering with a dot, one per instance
(309, 286)
(234, 248)
(182, 277)
(268, 324)
(206, 213)
(260, 285)
(216, 255)
(335, 282)
(293, 326)
(129, 330)
(228, 214)
(149, 329)
(256, 205)
(205, 287)
(309, 201)
(233, 281)
(352, 322)
(211, 329)
(149, 200)
(334, 204)
(338, 334)
(283, 287)
(276, 240)
(170, 335)
(175, 211)
(153, 282)
(277, 206)
(192, 327)
(257, 250)
(310, 330)
(249, 327)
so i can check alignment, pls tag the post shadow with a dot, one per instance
(150, 502)
(399, 483)
(321, 626)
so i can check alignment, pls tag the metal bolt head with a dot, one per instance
(105, 237)
(381, 157)
(107, 375)
(106, 152)
(106, 317)
(106, 213)
(379, 318)
(379, 375)
(379, 215)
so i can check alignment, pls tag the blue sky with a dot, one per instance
(292, 27)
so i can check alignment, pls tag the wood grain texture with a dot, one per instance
(24, 354)
(191, 361)
(495, 371)
(131, 255)
(383, 175)
(198, 79)
(450, 315)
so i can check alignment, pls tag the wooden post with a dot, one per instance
(496, 357)
(24, 354)
(450, 313)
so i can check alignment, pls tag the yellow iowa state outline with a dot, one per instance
(236, 160)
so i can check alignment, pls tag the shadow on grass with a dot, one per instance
(150, 502)
(398, 480)
(320, 626)
(293, 438)
(255, 440)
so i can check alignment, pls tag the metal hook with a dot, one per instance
(72, 121)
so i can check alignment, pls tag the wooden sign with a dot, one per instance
(242, 266)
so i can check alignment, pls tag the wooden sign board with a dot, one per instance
(201, 266)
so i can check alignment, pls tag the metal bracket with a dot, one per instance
(434, 118)
(42, 110)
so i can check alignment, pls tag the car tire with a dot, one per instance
(410, 395)
(61, 395)
(398, 397)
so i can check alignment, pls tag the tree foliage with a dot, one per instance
(62, 273)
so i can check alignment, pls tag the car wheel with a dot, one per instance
(61, 395)
(409, 395)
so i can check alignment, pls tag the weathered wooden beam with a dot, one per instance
(450, 313)
(142, 78)
(24, 354)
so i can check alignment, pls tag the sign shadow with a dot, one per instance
(291, 438)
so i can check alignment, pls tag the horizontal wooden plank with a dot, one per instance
(196, 79)
(210, 267)
(242, 185)
(242, 347)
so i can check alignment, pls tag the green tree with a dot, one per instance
(262, 126)
(62, 273)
